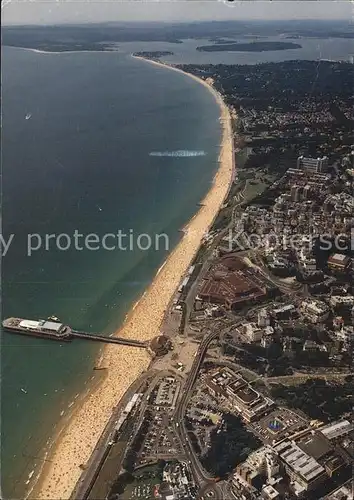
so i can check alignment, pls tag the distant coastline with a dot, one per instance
(79, 438)
(153, 54)
(249, 47)
(66, 51)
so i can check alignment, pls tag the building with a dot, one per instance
(253, 332)
(296, 193)
(315, 310)
(338, 262)
(342, 301)
(249, 403)
(312, 346)
(177, 482)
(304, 471)
(125, 413)
(334, 465)
(266, 341)
(344, 492)
(251, 476)
(284, 312)
(264, 461)
(231, 284)
(312, 165)
(270, 493)
(316, 445)
(238, 394)
(242, 489)
(306, 192)
(337, 429)
(263, 318)
(346, 333)
(43, 326)
(267, 336)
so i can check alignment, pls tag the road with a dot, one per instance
(199, 473)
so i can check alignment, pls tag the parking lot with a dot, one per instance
(278, 424)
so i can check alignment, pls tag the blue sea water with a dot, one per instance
(77, 132)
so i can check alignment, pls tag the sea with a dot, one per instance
(78, 133)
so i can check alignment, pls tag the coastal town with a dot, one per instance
(249, 391)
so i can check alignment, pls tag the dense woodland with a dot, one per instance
(229, 445)
(319, 399)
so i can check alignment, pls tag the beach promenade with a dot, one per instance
(125, 364)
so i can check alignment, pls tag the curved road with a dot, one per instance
(178, 420)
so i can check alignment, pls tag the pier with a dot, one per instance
(52, 329)
(108, 340)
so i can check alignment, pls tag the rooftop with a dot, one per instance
(337, 429)
(339, 259)
(247, 395)
(299, 461)
(51, 325)
(315, 445)
(227, 283)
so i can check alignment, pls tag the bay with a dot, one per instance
(80, 161)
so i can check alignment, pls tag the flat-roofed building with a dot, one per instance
(337, 429)
(316, 445)
(253, 332)
(338, 262)
(29, 324)
(334, 465)
(240, 396)
(284, 312)
(342, 300)
(51, 326)
(301, 467)
(315, 310)
(270, 493)
(241, 488)
(249, 474)
(312, 165)
(344, 492)
(43, 325)
(214, 389)
(246, 401)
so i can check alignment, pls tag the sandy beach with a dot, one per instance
(39, 51)
(125, 364)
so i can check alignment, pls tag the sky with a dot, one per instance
(86, 11)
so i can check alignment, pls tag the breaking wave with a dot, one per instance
(179, 154)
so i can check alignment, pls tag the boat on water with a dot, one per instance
(23, 390)
(28, 116)
(54, 318)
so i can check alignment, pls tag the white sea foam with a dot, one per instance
(178, 154)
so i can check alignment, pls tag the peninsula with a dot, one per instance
(248, 47)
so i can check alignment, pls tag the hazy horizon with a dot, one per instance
(17, 12)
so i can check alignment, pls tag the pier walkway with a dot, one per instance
(109, 340)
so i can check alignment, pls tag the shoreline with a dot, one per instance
(76, 443)
(39, 51)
